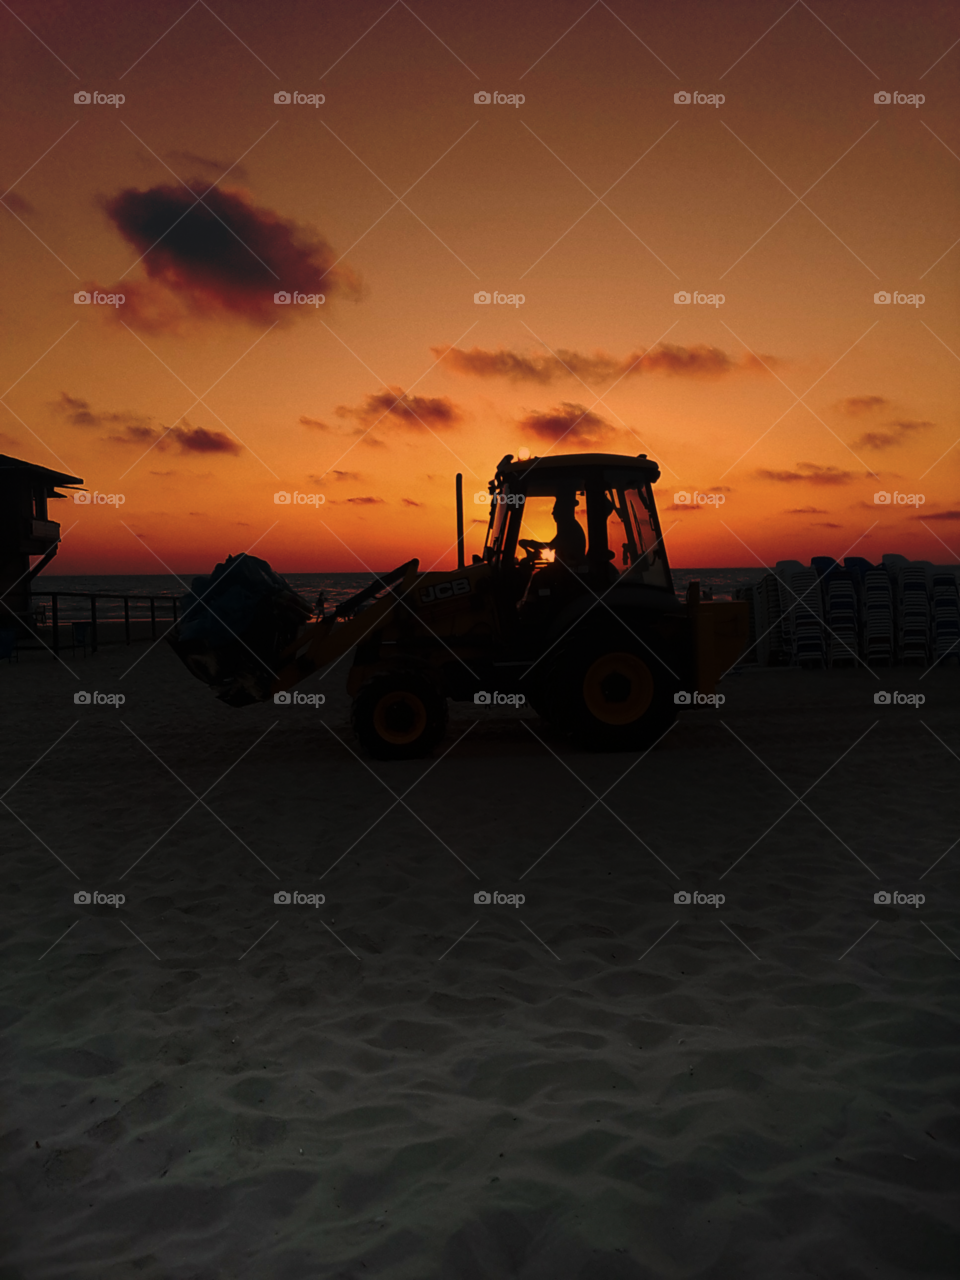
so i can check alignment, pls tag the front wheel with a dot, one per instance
(399, 716)
(613, 696)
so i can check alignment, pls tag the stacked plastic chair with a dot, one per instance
(945, 627)
(802, 603)
(771, 648)
(876, 618)
(843, 640)
(912, 614)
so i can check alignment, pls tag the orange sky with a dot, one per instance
(198, 398)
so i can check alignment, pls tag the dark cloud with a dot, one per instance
(363, 502)
(135, 428)
(192, 163)
(417, 413)
(901, 429)
(811, 472)
(939, 515)
(686, 507)
(16, 204)
(806, 511)
(313, 422)
(572, 423)
(697, 361)
(826, 524)
(857, 406)
(409, 502)
(224, 257)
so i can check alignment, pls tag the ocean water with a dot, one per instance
(336, 586)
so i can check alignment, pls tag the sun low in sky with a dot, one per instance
(341, 254)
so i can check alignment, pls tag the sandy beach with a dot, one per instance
(597, 1082)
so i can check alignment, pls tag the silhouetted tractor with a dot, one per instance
(571, 605)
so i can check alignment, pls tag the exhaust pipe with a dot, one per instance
(460, 562)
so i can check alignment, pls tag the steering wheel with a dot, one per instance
(530, 546)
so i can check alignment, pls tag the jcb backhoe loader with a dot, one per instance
(570, 607)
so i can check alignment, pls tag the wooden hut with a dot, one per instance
(25, 532)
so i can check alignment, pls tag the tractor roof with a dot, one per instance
(579, 461)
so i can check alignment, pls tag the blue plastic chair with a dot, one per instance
(79, 630)
(8, 646)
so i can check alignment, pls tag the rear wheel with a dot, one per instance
(399, 716)
(613, 695)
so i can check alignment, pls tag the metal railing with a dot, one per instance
(92, 621)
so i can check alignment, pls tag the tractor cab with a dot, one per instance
(571, 527)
